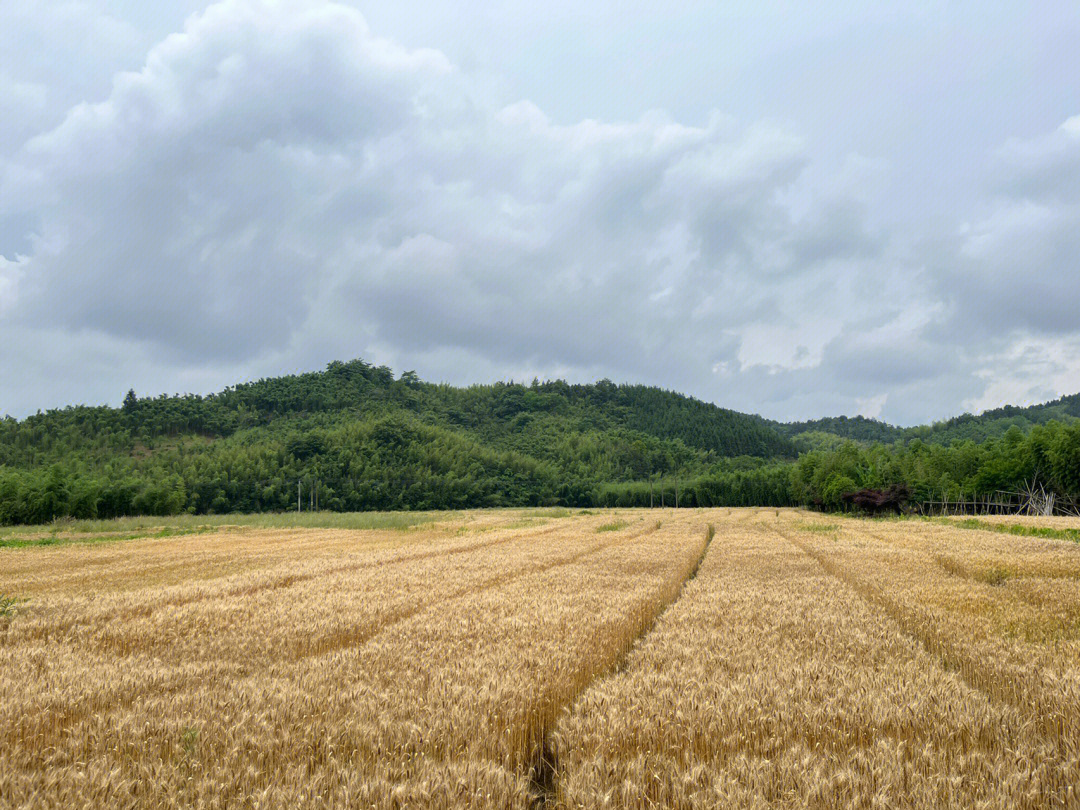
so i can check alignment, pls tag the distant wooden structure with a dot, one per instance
(1033, 499)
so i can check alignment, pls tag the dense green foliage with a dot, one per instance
(991, 424)
(966, 458)
(826, 431)
(364, 440)
(1048, 454)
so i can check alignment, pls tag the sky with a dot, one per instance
(792, 209)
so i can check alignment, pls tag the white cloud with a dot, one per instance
(784, 348)
(10, 274)
(55, 53)
(21, 104)
(277, 186)
(1029, 371)
(276, 175)
(871, 407)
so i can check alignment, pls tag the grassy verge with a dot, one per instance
(131, 528)
(612, 527)
(550, 512)
(1016, 529)
(1072, 535)
(819, 528)
(14, 541)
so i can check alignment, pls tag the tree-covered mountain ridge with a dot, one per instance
(365, 439)
(990, 424)
(357, 390)
(357, 437)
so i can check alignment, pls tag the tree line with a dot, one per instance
(1048, 454)
(369, 440)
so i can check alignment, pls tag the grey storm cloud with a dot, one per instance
(277, 185)
(1017, 268)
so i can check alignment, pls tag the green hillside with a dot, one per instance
(355, 437)
(965, 459)
(988, 425)
(995, 423)
(857, 428)
(362, 439)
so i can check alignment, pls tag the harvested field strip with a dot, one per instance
(770, 683)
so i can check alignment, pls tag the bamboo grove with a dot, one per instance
(355, 438)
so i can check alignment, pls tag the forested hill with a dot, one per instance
(856, 428)
(988, 425)
(362, 438)
(995, 423)
(345, 391)
(371, 441)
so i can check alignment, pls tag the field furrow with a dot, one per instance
(771, 683)
(505, 660)
(445, 705)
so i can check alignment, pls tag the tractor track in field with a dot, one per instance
(177, 681)
(484, 585)
(543, 770)
(998, 686)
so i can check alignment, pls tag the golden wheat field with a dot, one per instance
(721, 658)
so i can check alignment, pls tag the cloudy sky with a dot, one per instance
(796, 209)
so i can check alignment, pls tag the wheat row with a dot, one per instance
(490, 661)
(424, 674)
(776, 681)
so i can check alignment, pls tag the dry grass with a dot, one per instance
(509, 659)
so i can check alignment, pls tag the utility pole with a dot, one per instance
(298, 496)
(661, 493)
(650, 492)
(676, 493)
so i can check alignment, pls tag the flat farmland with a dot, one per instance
(545, 658)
